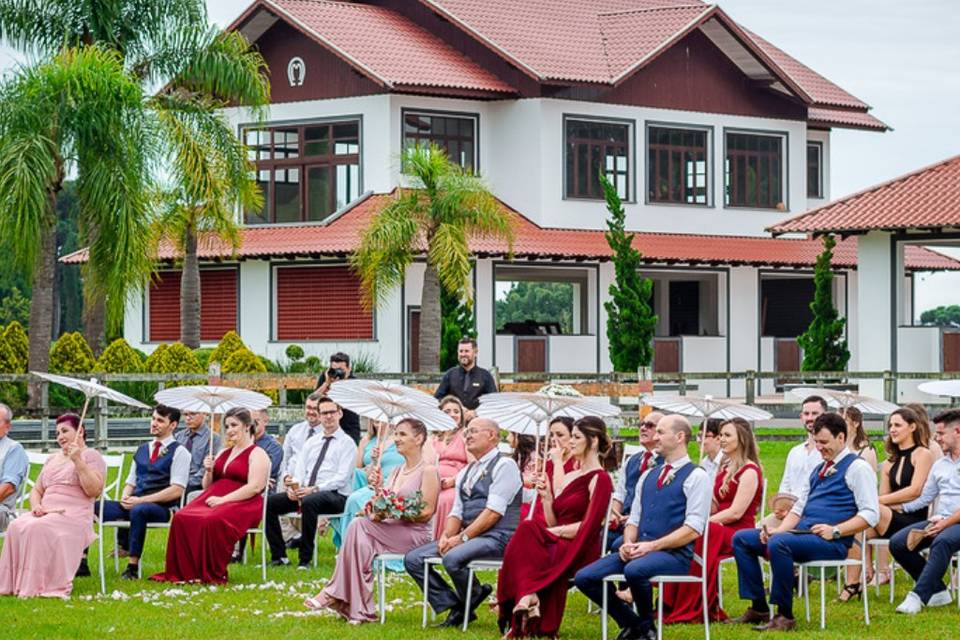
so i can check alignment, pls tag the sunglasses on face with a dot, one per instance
(648, 425)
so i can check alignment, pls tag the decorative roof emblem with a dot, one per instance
(296, 71)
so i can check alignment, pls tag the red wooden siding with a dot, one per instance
(320, 303)
(218, 305)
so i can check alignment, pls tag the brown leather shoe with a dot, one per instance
(778, 623)
(750, 616)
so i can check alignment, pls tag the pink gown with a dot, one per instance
(41, 555)
(351, 586)
(451, 458)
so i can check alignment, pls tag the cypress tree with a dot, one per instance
(823, 343)
(630, 319)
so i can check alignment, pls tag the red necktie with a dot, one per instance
(646, 460)
(826, 466)
(663, 476)
(155, 453)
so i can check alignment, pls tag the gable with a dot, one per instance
(325, 74)
(694, 75)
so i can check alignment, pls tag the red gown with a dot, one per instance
(683, 600)
(571, 464)
(536, 561)
(202, 538)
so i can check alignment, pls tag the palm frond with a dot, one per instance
(449, 253)
(28, 168)
(387, 247)
(39, 27)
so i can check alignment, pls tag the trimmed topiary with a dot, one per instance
(120, 357)
(203, 356)
(246, 361)
(70, 354)
(154, 362)
(14, 349)
(229, 344)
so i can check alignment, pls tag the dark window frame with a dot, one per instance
(303, 163)
(630, 145)
(708, 160)
(818, 145)
(458, 115)
(730, 184)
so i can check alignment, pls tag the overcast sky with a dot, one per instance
(899, 57)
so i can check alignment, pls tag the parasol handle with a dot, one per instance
(83, 415)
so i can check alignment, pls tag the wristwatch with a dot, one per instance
(464, 537)
(836, 533)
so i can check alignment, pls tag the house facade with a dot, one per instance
(710, 133)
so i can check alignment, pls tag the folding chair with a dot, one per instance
(380, 563)
(261, 530)
(823, 565)
(111, 491)
(878, 544)
(316, 537)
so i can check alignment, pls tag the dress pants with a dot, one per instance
(439, 594)
(132, 539)
(928, 573)
(783, 550)
(312, 506)
(589, 581)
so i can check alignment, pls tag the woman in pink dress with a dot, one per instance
(203, 533)
(450, 453)
(43, 548)
(350, 590)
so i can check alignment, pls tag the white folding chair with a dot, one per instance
(110, 491)
(262, 532)
(823, 565)
(316, 537)
(428, 562)
(36, 460)
(380, 563)
(877, 544)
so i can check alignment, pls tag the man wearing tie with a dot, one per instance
(635, 467)
(318, 484)
(839, 501)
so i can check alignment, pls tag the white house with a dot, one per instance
(710, 132)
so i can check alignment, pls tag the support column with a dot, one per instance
(876, 301)
(484, 305)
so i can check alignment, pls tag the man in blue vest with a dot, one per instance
(839, 501)
(485, 513)
(668, 513)
(626, 489)
(157, 479)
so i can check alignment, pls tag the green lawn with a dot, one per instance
(246, 608)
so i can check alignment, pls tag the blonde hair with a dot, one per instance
(746, 451)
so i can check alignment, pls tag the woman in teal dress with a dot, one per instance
(368, 474)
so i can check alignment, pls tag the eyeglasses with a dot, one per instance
(329, 413)
(648, 425)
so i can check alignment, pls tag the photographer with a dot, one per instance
(340, 370)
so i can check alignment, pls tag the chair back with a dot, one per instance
(113, 462)
(35, 458)
(763, 502)
(605, 528)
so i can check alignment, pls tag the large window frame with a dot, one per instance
(445, 139)
(815, 191)
(339, 169)
(759, 160)
(592, 190)
(660, 148)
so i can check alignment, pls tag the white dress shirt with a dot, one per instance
(801, 462)
(712, 465)
(179, 467)
(942, 484)
(504, 484)
(860, 479)
(336, 470)
(696, 488)
(293, 443)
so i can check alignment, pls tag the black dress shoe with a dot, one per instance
(293, 543)
(280, 562)
(635, 633)
(130, 573)
(236, 559)
(482, 594)
(83, 570)
(455, 619)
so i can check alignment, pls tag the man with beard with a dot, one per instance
(466, 381)
(804, 457)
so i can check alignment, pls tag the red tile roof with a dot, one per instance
(928, 198)
(341, 236)
(387, 46)
(846, 118)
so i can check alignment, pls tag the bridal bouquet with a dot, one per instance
(385, 504)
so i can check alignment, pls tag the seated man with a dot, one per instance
(485, 513)
(636, 466)
(840, 501)
(157, 479)
(669, 512)
(195, 438)
(14, 465)
(942, 532)
(318, 485)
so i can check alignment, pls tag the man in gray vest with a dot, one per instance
(486, 512)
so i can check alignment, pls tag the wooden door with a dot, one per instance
(951, 351)
(413, 339)
(531, 354)
(666, 355)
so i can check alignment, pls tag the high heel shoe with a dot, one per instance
(850, 591)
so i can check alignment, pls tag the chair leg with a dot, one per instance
(706, 609)
(426, 583)
(806, 591)
(660, 612)
(116, 552)
(466, 602)
(603, 613)
(103, 578)
(263, 557)
(893, 578)
(719, 585)
(379, 570)
(823, 596)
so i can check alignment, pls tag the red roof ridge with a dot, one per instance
(664, 7)
(777, 229)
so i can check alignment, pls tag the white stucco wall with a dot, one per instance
(918, 349)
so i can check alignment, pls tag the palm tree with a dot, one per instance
(438, 216)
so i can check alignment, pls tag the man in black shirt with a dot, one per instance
(340, 370)
(466, 381)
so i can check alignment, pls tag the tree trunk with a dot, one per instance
(41, 310)
(430, 323)
(95, 322)
(190, 292)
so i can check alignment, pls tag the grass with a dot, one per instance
(246, 608)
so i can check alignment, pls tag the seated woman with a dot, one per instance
(902, 477)
(544, 554)
(448, 451)
(737, 491)
(375, 459)
(43, 548)
(203, 533)
(350, 590)
(559, 459)
(523, 454)
(857, 440)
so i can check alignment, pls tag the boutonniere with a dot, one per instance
(669, 478)
(163, 451)
(831, 471)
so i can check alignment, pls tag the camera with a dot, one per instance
(336, 374)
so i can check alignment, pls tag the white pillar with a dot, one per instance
(607, 275)
(484, 305)
(744, 324)
(874, 326)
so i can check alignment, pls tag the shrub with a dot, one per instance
(203, 356)
(246, 361)
(365, 362)
(154, 362)
(120, 357)
(70, 354)
(179, 358)
(229, 344)
(294, 352)
(14, 347)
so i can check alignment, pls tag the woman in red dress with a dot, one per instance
(544, 553)
(736, 497)
(203, 533)
(559, 459)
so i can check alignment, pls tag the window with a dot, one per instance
(755, 171)
(306, 172)
(320, 303)
(218, 305)
(593, 146)
(456, 135)
(814, 169)
(677, 165)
